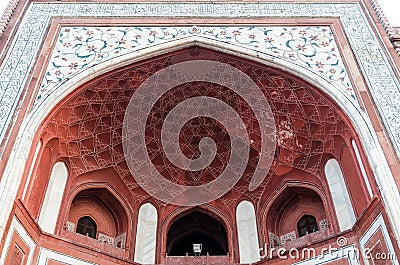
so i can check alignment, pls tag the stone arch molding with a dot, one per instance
(359, 119)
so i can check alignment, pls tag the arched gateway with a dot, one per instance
(197, 227)
(316, 188)
(85, 132)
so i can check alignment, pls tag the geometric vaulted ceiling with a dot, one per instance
(88, 124)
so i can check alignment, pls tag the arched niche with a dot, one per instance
(42, 166)
(288, 209)
(146, 234)
(307, 121)
(356, 117)
(197, 227)
(249, 249)
(53, 197)
(106, 212)
(87, 226)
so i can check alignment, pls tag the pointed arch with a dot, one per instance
(196, 226)
(52, 200)
(247, 233)
(146, 234)
(360, 121)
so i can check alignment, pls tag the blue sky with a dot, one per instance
(391, 9)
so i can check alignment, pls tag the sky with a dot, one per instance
(391, 8)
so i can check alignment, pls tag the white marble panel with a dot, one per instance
(146, 235)
(370, 55)
(46, 254)
(53, 198)
(16, 227)
(249, 250)
(379, 223)
(340, 195)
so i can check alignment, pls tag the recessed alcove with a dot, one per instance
(289, 211)
(197, 228)
(308, 130)
(104, 212)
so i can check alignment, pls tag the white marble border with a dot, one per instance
(379, 223)
(47, 254)
(17, 227)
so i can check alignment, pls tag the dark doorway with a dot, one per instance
(307, 225)
(86, 226)
(197, 228)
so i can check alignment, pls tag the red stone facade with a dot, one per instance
(84, 131)
(18, 251)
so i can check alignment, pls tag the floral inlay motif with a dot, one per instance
(313, 48)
